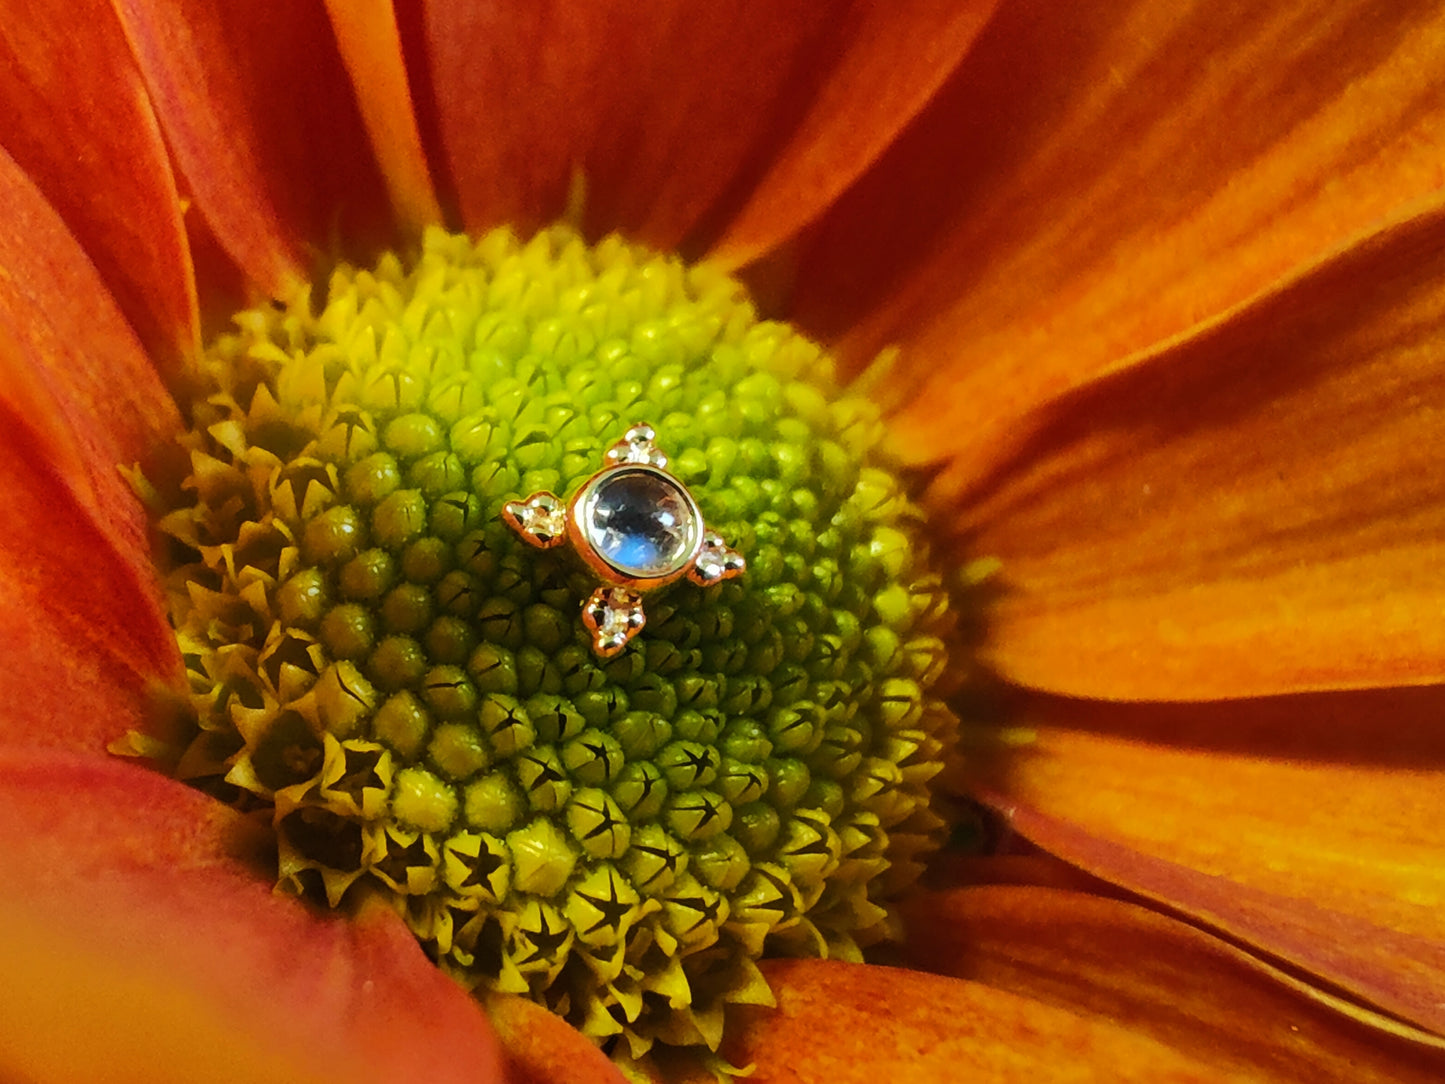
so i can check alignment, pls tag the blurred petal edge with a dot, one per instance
(139, 907)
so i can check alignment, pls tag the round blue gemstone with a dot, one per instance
(642, 523)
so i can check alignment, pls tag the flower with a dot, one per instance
(1166, 287)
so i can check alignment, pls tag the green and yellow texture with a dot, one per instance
(1165, 284)
(408, 686)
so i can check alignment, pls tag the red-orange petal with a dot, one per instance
(257, 109)
(369, 40)
(1118, 961)
(75, 363)
(1331, 864)
(527, 94)
(82, 630)
(841, 1023)
(1099, 177)
(888, 61)
(1258, 509)
(667, 111)
(77, 121)
(542, 1048)
(141, 945)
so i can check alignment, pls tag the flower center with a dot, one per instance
(409, 686)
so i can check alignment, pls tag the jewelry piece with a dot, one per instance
(634, 525)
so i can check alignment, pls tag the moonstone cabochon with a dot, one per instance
(636, 524)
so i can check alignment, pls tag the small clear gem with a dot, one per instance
(541, 519)
(641, 522)
(716, 561)
(614, 616)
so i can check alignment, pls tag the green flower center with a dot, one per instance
(408, 685)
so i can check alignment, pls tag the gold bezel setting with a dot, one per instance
(613, 614)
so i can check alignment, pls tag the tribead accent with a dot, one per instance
(604, 750)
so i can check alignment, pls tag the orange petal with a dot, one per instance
(370, 44)
(665, 109)
(83, 633)
(542, 1048)
(73, 362)
(1099, 177)
(1117, 961)
(1259, 509)
(511, 94)
(950, 869)
(146, 947)
(841, 1023)
(888, 61)
(258, 112)
(76, 119)
(82, 630)
(1332, 864)
(527, 93)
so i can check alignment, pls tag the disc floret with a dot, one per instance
(377, 656)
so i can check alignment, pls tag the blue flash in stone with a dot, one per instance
(641, 522)
(633, 524)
